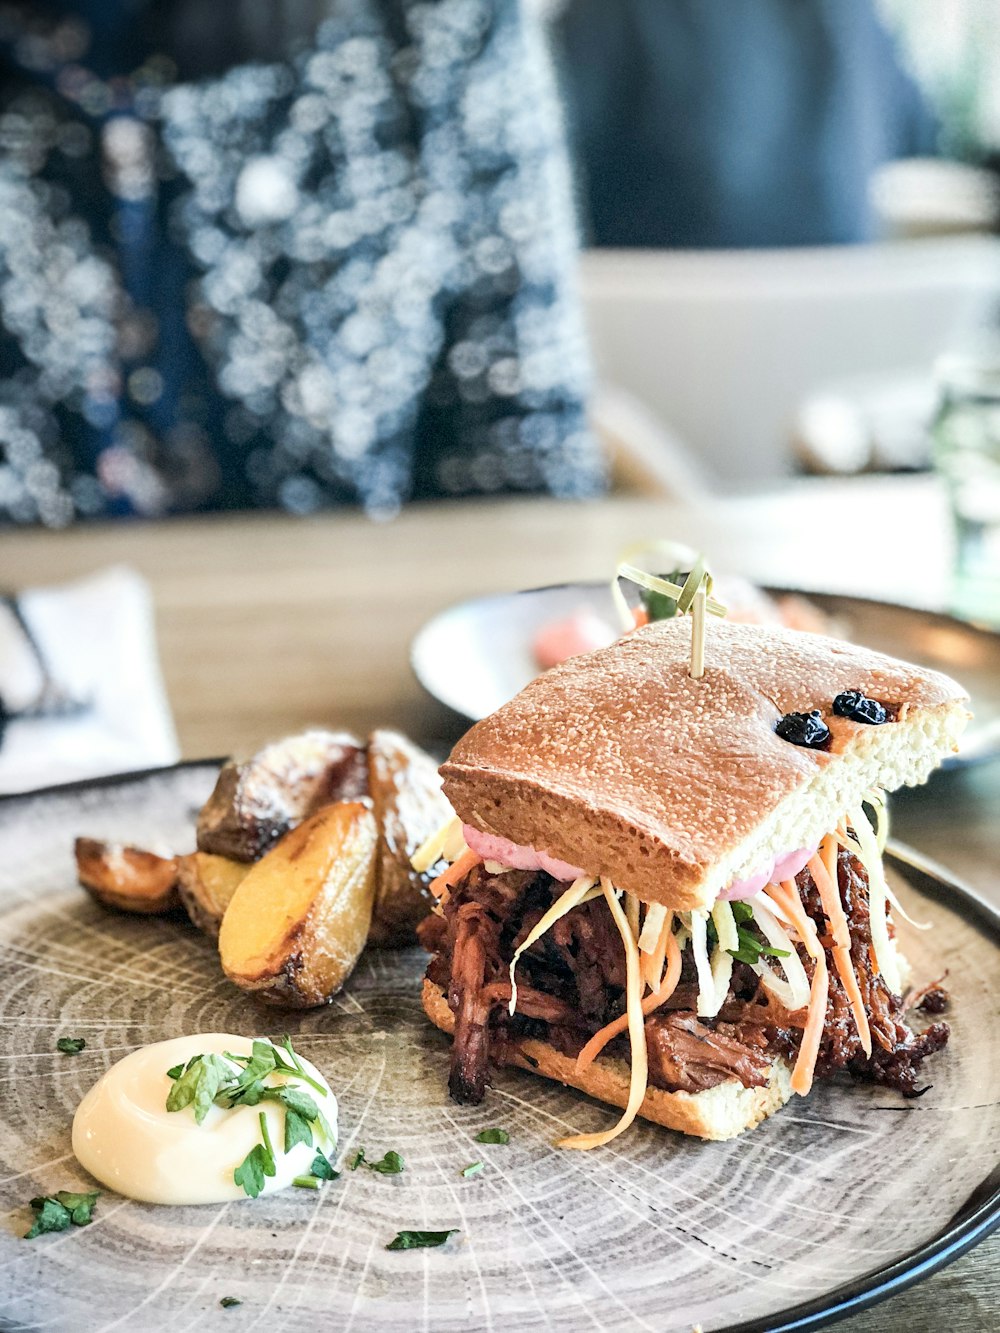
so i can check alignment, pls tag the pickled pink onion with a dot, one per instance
(784, 867)
(492, 848)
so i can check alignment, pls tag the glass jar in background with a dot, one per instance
(966, 446)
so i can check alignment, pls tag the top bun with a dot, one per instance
(620, 763)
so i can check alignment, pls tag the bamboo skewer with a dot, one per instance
(693, 598)
(698, 634)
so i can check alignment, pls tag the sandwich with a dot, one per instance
(668, 892)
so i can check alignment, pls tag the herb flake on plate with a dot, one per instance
(71, 1045)
(228, 1302)
(323, 1169)
(60, 1211)
(473, 1169)
(390, 1165)
(493, 1136)
(420, 1240)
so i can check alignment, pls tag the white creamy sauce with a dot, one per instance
(126, 1138)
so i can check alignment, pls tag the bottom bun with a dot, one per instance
(721, 1112)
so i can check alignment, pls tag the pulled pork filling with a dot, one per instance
(571, 983)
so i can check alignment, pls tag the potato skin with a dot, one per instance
(298, 922)
(409, 806)
(258, 801)
(127, 879)
(206, 884)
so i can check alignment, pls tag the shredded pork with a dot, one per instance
(571, 983)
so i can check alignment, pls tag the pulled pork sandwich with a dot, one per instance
(667, 892)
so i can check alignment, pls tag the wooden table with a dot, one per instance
(267, 624)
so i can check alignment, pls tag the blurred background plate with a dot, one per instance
(476, 655)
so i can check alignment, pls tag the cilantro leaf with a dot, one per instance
(297, 1129)
(296, 1100)
(326, 1130)
(256, 1068)
(50, 1216)
(420, 1240)
(199, 1085)
(323, 1168)
(751, 948)
(258, 1163)
(473, 1169)
(298, 1068)
(59, 1211)
(79, 1206)
(250, 1173)
(390, 1165)
(70, 1045)
(493, 1136)
(227, 1302)
(175, 1071)
(269, 1146)
(300, 1111)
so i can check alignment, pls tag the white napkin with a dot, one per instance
(98, 643)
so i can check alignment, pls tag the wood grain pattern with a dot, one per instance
(653, 1233)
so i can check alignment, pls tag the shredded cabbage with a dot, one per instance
(851, 844)
(794, 991)
(876, 798)
(869, 855)
(649, 936)
(443, 845)
(580, 891)
(722, 959)
(707, 1007)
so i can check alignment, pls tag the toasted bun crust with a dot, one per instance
(620, 763)
(721, 1112)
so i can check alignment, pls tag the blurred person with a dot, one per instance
(735, 123)
(283, 253)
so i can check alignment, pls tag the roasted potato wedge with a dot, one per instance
(256, 802)
(127, 878)
(206, 884)
(297, 923)
(409, 806)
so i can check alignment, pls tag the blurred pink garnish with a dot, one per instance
(581, 632)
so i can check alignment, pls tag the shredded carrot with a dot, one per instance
(653, 1000)
(641, 617)
(458, 870)
(828, 852)
(652, 963)
(833, 908)
(805, 1063)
